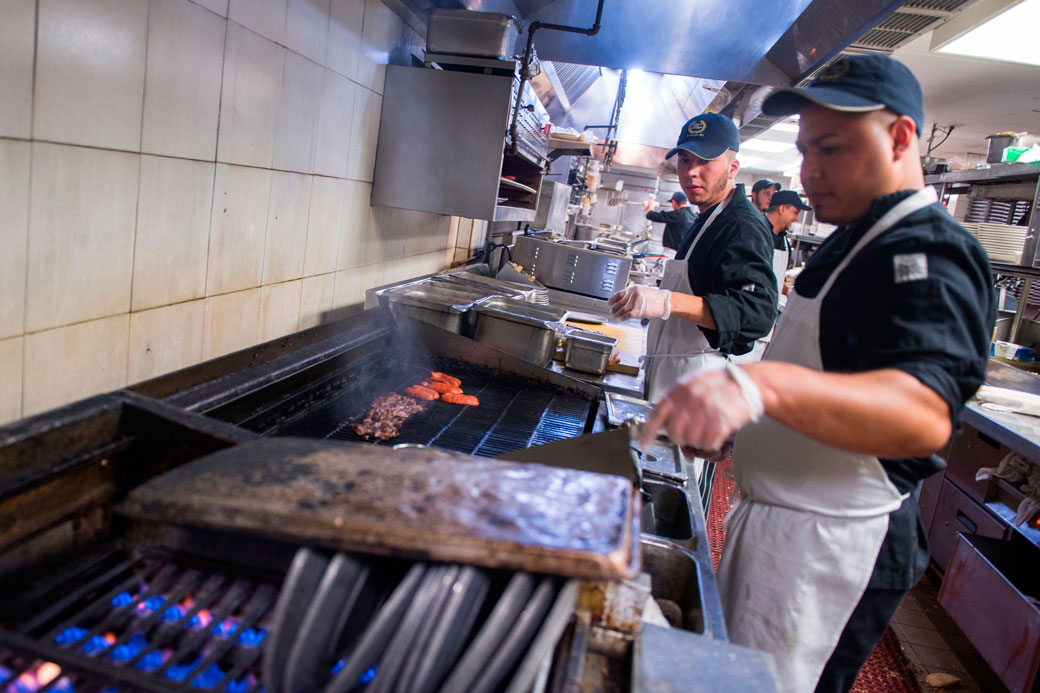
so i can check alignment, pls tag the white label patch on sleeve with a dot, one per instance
(910, 267)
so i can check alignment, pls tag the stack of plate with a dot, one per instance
(1002, 242)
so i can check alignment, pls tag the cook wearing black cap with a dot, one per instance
(719, 292)
(785, 206)
(677, 221)
(761, 192)
(881, 343)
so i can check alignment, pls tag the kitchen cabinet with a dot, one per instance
(443, 146)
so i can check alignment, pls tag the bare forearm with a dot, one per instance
(888, 413)
(692, 308)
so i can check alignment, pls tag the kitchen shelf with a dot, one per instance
(558, 148)
(1001, 173)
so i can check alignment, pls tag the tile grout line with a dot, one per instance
(28, 205)
(137, 203)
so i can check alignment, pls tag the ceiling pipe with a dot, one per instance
(525, 66)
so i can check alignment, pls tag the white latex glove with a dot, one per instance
(640, 301)
(705, 409)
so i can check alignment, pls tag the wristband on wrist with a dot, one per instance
(749, 390)
(667, 304)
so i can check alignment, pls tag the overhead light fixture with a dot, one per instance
(748, 161)
(786, 126)
(770, 146)
(1007, 36)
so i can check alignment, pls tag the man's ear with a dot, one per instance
(902, 131)
(734, 166)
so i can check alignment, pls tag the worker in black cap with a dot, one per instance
(785, 207)
(719, 294)
(677, 221)
(761, 192)
(884, 338)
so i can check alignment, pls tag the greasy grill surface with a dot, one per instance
(514, 412)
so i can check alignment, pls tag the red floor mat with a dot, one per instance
(887, 670)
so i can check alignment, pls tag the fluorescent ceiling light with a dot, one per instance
(748, 161)
(771, 146)
(786, 126)
(1007, 37)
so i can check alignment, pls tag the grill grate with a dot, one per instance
(514, 412)
(137, 621)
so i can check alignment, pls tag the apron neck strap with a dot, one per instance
(919, 200)
(718, 210)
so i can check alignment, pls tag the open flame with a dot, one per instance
(36, 678)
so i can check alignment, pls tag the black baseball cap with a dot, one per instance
(679, 197)
(856, 84)
(762, 184)
(788, 197)
(708, 136)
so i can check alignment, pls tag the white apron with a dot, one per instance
(677, 347)
(759, 348)
(802, 541)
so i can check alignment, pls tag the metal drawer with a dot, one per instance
(956, 512)
(971, 450)
(990, 590)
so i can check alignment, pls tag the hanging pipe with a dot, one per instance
(525, 65)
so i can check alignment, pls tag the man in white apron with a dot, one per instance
(719, 294)
(784, 208)
(883, 340)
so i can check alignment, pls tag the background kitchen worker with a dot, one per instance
(718, 295)
(883, 340)
(761, 192)
(784, 209)
(677, 221)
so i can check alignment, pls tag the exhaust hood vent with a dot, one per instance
(903, 25)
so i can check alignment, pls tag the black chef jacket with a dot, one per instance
(676, 223)
(731, 268)
(929, 316)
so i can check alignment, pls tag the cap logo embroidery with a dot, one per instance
(696, 127)
(834, 71)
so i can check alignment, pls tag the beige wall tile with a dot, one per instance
(237, 228)
(90, 72)
(81, 234)
(279, 310)
(92, 357)
(172, 241)
(165, 339)
(249, 97)
(356, 212)
(265, 17)
(17, 44)
(11, 379)
(14, 229)
(182, 83)
(286, 227)
(230, 323)
(379, 35)
(335, 121)
(362, 159)
(350, 288)
(218, 6)
(323, 225)
(307, 28)
(298, 103)
(316, 299)
(346, 20)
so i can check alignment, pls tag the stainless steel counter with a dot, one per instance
(1019, 432)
